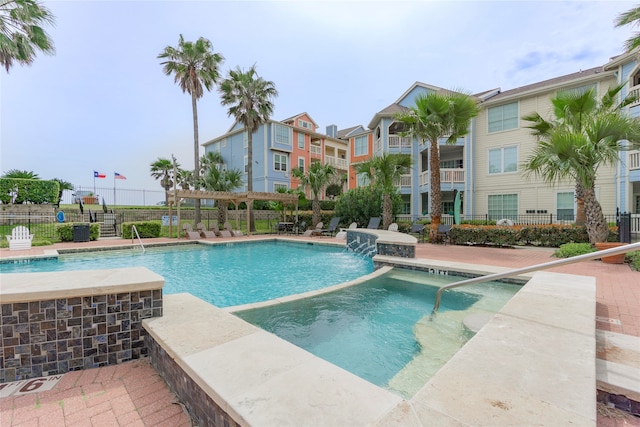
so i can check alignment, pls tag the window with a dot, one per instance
(503, 117)
(502, 160)
(277, 186)
(246, 164)
(282, 134)
(361, 146)
(451, 164)
(224, 143)
(565, 203)
(280, 162)
(301, 164)
(503, 206)
(305, 124)
(447, 207)
(362, 180)
(578, 90)
(301, 141)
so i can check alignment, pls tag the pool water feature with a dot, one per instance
(381, 329)
(223, 274)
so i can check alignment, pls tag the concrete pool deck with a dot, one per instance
(617, 317)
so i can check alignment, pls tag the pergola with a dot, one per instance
(236, 198)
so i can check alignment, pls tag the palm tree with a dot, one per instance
(162, 169)
(23, 174)
(64, 185)
(315, 179)
(195, 67)
(385, 171)
(217, 179)
(433, 117)
(21, 32)
(249, 98)
(585, 133)
(630, 17)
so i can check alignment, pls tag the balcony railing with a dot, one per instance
(315, 150)
(404, 181)
(634, 160)
(396, 141)
(447, 176)
(336, 162)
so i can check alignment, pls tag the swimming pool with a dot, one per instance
(380, 329)
(224, 274)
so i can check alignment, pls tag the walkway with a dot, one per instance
(132, 394)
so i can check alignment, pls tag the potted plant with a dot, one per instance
(613, 259)
(90, 199)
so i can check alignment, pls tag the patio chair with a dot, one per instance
(317, 231)
(374, 223)
(393, 227)
(342, 234)
(214, 227)
(189, 232)
(234, 233)
(333, 226)
(207, 234)
(301, 228)
(418, 228)
(443, 233)
(20, 238)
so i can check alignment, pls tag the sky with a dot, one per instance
(102, 102)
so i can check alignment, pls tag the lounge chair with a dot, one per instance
(418, 228)
(207, 234)
(189, 232)
(342, 234)
(20, 238)
(393, 227)
(317, 231)
(214, 227)
(234, 233)
(333, 226)
(443, 233)
(374, 223)
(301, 228)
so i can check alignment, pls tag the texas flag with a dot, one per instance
(116, 175)
(97, 174)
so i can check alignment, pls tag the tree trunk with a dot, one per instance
(196, 157)
(315, 208)
(596, 224)
(581, 218)
(436, 195)
(252, 221)
(387, 211)
(223, 206)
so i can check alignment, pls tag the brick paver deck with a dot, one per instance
(133, 394)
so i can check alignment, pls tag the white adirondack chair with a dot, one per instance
(20, 238)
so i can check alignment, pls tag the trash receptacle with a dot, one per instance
(81, 232)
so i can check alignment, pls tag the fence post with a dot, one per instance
(550, 218)
(624, 228)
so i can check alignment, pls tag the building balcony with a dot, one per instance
(634, 160)
(448, 178)
(337, 162)
(315, 150)
(404, 181)
(397, 141)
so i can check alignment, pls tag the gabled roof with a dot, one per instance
(389, 111)
(346, 133)
(415, 85)
(582, 76)
(297, 116)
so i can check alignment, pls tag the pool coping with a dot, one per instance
(542, 366)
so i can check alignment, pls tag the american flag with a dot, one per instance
(118, 176)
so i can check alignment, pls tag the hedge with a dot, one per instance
(65, 231)
(146, 229)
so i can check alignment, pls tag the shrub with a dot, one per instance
(633, 258)
(146, 229)
(573, 249)
(360, 204)
(65, 231)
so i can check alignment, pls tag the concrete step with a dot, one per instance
(618, 370)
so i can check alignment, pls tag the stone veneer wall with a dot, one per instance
(355, 239)
(202, 409)
(54, 336)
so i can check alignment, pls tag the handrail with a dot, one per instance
(133, 228)
(578, 258)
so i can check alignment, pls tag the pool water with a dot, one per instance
(224, 275)
(381, 330)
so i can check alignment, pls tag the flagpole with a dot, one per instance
(114, 188)
(94, 183)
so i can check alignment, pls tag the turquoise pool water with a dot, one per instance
(379, 330)
(224, 275)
